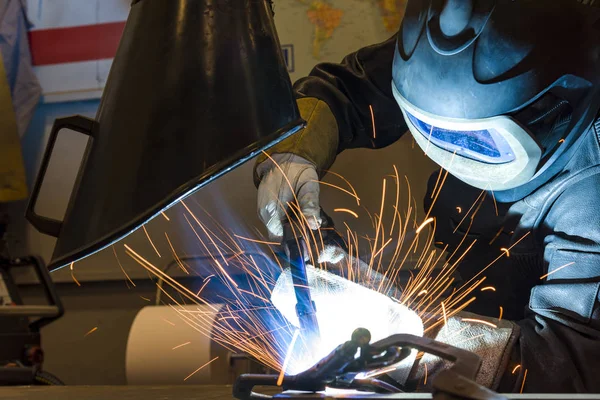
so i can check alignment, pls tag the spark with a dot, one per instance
(382, 248)
(506, 251)
(479, 198)
(561, 141)
(206, 282)
(94, 329)
(501, 313)
(345, 210)
(346, 181)
(429, 139)
(341, 189)
(425, 380)
(495, 203)
(496, 236)
(459, 210)
(524, 379)
(73, 275)
(150, 240)
(225, 273)
(170, 281)
(145, 298)
(469, 339)
(516, 368)
(425, 223)
(257, 241)
(168, 322)
(120, 265)
(480, 321)
(176, 256)
(445, 316)
(190, 375)
(165, 215)
(373, 121)
(288, 355)
(484, 289)
(240, 325)
(437, 182)
(556, 270)
(181, 345)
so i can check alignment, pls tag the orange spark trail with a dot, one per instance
(347, 211)
(287, 357)
(165, 215)
(150, 240)
(523, 384)
(168, 322)
(373, 122)
(501, 313)
(192, 374)
(120, 265)
(172, 282)
(496, 236)
(94, 329)
(73, 275)
(175, 255)
(424, 224)
(256, 241)
(516, 368)
(347, 182)
(338, 188)
(181, 345)
(493, 289)
(480, 321)
(444, 315)
(556, 270)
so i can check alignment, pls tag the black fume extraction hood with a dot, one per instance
(197, 87)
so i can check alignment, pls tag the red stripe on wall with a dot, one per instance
(75, 43)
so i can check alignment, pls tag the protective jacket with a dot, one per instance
(547, 279)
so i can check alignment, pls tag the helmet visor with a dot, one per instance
(495, 153)
(485, 145)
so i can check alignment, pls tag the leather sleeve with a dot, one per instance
(346, 105)
(559, 344)
(363, 80)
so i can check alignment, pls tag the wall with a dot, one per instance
(103, 299)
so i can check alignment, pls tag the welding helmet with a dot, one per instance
(497, 92)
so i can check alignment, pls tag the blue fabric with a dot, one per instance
(14, 46)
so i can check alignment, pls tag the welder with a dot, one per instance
(505, 96)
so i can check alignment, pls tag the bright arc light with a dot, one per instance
(342, 306)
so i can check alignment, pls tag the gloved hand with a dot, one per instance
(287, 176)
(492, 339)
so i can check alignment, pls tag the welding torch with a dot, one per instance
(295, 248)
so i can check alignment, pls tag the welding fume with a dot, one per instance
(505, 97)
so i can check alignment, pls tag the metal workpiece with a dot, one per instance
(197, 87)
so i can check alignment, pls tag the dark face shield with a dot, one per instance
(494, 153)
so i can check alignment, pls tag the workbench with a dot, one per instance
(207, 392)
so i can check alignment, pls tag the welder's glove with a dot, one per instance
(492, 339)
(285, 178)
(303, 157)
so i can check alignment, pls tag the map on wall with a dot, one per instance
(326, 17)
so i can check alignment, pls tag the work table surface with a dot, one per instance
(208, 392)
(205, 392)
